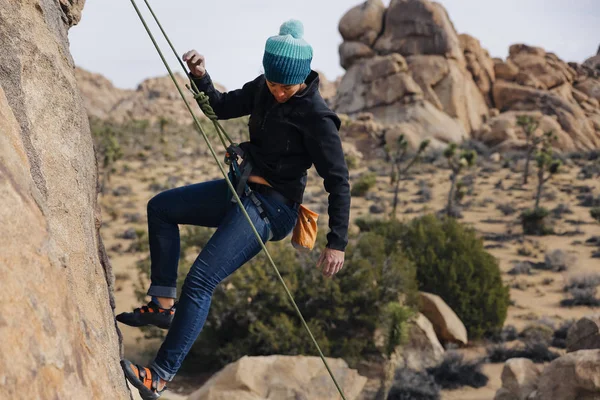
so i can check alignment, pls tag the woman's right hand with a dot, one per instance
(195, 62)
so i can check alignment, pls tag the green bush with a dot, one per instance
(452, 263)
(251, 314)
(595, 213)
(535, 222)
(365, 183)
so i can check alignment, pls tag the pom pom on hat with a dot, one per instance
(292, 27)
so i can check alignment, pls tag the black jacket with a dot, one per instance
(286, 139)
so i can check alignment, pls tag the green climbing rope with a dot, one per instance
(203, 102)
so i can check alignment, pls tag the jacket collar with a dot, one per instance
(312, 85)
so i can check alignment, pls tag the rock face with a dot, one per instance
(584, 334)
(519, 379)
(281, 378)
(479, 64)
(447, 325)
(56, 321)
(532, 80)
(573, 376)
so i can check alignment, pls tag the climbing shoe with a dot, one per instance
(144, 379)
(150, 314)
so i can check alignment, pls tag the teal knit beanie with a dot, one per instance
(287, 56)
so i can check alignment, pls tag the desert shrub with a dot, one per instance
(536, 351)
(559, 339)
(506, 208)
(537, 332)
(535, 222)
(455, 372)
(581, 297)
(507, 334)
(424, 192)
(251, 313)
(582, 282)
(558, 260)
(521, 268)
(561, 210)
(364, 183)
(413, 385)
(588, 200)
(452, 263)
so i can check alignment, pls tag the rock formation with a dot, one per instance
(534, 81)
(415, 72)
(56, 309)
(407, 66)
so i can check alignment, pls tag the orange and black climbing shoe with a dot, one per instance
(150, 314)
(144, 379)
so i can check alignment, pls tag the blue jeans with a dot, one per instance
(232, 245)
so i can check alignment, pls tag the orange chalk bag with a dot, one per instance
(304, 234)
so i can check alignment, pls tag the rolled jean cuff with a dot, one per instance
(161, 372)
(163, 291)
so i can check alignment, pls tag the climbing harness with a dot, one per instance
(204, 104)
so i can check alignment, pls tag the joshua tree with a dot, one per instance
(400, 168)
(457, 161)
(529, 125)
(547, 165)
(534, 220)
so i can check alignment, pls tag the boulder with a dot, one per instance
(447, 325)
(572, 376)
(380, 81)
(520, 378)
(423, 349)
(56, 305)
(545, 68)
(589, 86)
(350, 52)
(506, 70)
(584, 334)
(363, 23)
(281, 377)
(593, 62)
(419, 27)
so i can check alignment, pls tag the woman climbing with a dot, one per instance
(291, 128)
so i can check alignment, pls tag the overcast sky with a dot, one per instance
(111, 40)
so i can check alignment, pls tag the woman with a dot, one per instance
(291, 128)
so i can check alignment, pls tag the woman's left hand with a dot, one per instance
(330, 261)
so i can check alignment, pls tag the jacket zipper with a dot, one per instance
(262, 127)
